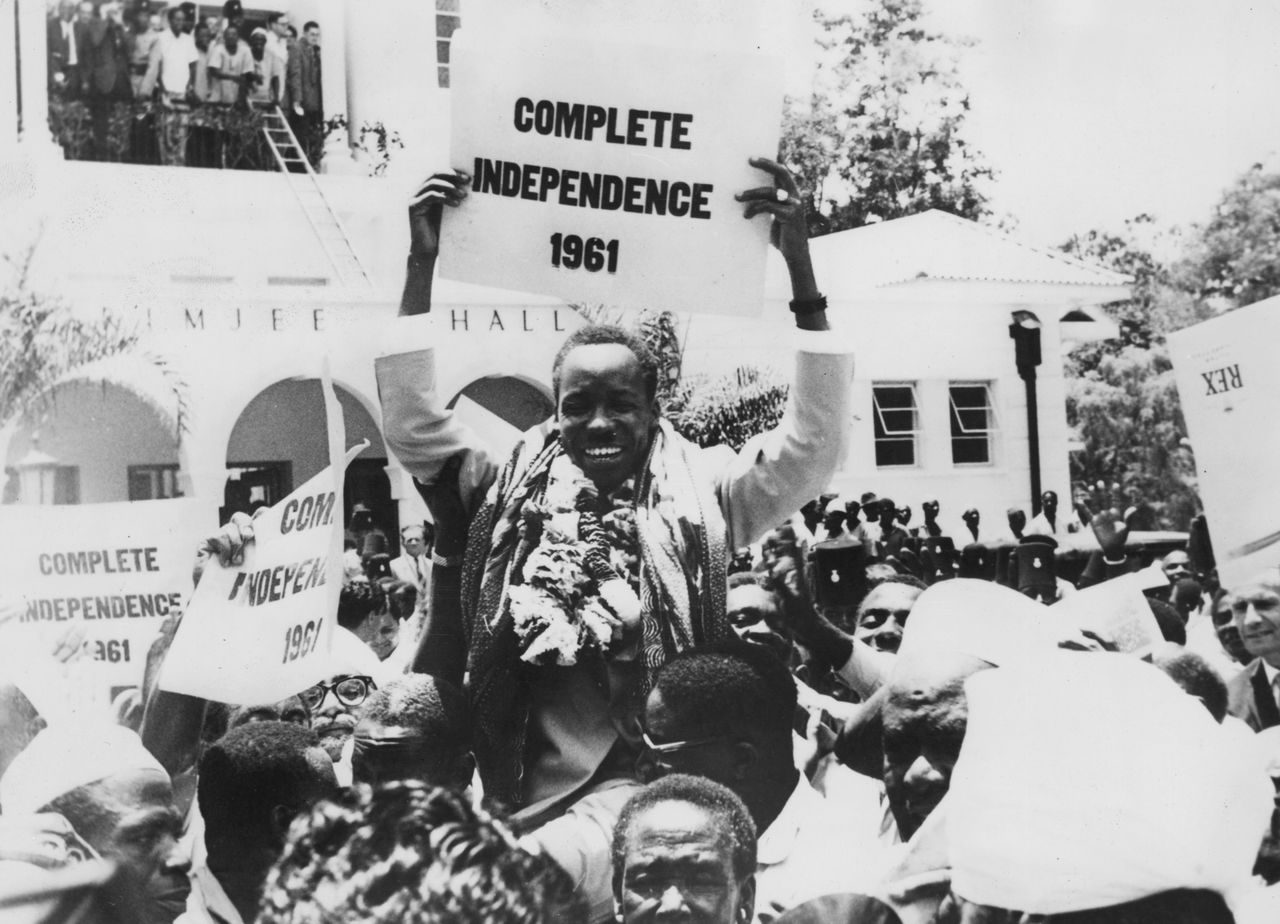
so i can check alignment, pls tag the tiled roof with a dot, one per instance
(936, 245)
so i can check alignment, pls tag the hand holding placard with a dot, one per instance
(426, 206)
(257, 627)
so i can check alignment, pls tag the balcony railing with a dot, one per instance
(151, 132)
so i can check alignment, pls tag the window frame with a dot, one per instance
(157, 474)
(883, 435)
(961, 433)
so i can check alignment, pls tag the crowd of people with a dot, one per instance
(622, 677)
(179, 79)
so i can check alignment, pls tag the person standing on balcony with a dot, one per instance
(230, 69)
(171, 75)
(306, 102)
(144, 38)
(278, 42)
(105, 72)
(266, 74)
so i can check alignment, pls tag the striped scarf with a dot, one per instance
(680, 532)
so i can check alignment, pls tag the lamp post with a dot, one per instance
(1025, 331)
(37, 475)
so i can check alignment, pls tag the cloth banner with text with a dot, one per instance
(99, 577)
(1229, 388)
(602, 172)
(259, 631)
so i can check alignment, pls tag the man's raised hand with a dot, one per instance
(427, 205)
(782, 200)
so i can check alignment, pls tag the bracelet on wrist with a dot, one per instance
(1120, 561)
(803, 306)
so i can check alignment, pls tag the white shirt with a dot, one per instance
(208, 903)
(176, 53)
(278, 47)
(808, 851)
(69, 34)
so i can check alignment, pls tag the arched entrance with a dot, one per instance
(105, 442)
(278, 443)
(514, 402)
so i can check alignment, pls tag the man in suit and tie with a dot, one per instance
(306, 101)
(1254, 694)
(67, 33)
(414, 566)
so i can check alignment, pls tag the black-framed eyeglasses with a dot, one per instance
(351, 690)
(674, 747)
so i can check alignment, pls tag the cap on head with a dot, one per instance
(65, 757)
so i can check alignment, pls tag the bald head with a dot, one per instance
(924, 718)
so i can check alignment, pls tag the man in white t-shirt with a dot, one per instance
(229, 62)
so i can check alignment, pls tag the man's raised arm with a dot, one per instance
(775, 473)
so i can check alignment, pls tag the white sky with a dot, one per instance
(1093, 111)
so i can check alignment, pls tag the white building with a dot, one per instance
(235, 292)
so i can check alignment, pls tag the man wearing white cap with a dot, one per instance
(1091, 788)
(116, 796)
(957, 628)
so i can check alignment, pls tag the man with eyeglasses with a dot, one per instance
(336, 702)
(684, 849)
(724, 712)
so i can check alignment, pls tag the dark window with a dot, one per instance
(897, 423)
(973, 423)
(153, 482)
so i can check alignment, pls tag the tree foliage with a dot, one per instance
(1127, 414)
(1235, 257)
(1121, 396)
(41, 339)
(727, 409)
(882, 133)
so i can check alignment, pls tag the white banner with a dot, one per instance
(110, 571)
(604, 172)
(260, 631)
(1229, 388)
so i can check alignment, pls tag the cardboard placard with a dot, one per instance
(260, 631)
(1229, 388)
(1116, 609)
(604, 172)
(117, 570)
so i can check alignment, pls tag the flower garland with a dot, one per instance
(576, 590)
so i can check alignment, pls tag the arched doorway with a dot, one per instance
(106, 443)
(504, 403)
(278, 443)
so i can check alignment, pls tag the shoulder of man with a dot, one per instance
(1241, 702)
